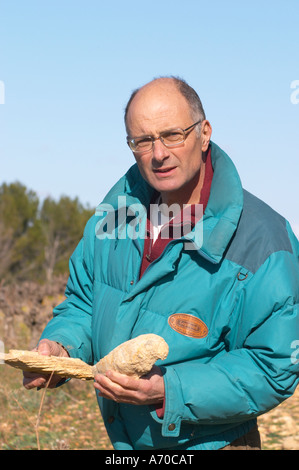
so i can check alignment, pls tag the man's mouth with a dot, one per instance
(164, 171)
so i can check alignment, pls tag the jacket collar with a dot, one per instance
(214, 231)
(224, 207)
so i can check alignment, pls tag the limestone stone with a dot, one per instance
(32, 361)
(135, 357)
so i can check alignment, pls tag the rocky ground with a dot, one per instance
(280, 427)
(25, 309)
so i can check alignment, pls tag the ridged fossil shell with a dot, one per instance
(135, 357)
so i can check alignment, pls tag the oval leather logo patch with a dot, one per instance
(188, 325)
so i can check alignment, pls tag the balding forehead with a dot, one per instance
(158, 86)
(159, 96)
(171, 89)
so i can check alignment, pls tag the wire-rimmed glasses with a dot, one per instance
(169, 138)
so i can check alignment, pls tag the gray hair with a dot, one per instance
(196, 108)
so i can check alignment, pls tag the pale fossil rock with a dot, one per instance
(135, 357)
(32, 361)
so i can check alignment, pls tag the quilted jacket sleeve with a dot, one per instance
(71, 322)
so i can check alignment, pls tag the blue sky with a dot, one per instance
(69, 66)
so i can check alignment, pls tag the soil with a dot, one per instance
(26, 308)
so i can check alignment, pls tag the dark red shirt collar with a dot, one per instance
(180, 225)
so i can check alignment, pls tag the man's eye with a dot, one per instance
(172, 136)
(143, 142)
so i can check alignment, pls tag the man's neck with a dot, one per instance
(189, 195)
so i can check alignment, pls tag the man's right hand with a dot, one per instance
(46, 348)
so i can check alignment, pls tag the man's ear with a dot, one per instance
(206, 132)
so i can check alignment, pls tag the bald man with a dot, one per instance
(178, 248)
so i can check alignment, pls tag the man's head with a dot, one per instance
(174, 170)
(195, 104)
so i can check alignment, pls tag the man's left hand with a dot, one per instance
(146, 390)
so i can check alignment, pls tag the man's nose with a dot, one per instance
(160, 152)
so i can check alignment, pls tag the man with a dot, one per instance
(222, 289)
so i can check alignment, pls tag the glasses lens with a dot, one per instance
(173, 137)
(141, 145)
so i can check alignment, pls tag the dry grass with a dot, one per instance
(280, 427)
(70, 418)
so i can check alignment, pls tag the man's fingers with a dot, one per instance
(44, 348)
(125, 389)
(124, 381)
(106, 387)
(119, 387)
(107, 384)
(31, 380)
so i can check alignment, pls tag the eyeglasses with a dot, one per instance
(170, 138)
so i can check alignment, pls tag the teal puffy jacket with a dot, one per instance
(239, 286)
